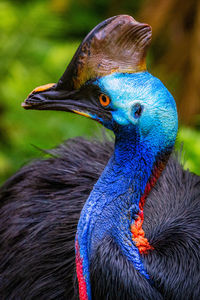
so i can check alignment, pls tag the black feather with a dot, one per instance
(39, 211)
(40, 208)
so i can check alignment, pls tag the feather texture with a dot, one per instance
(39, 211)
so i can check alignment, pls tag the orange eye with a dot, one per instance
(104, 100)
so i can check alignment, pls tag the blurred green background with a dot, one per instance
(38, 39)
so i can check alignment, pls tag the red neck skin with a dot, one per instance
(79, 271)
(138, 234)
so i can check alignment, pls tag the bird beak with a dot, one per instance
(50, 97)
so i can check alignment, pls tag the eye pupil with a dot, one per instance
(103, 98)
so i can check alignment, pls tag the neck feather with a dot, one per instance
(115, 207)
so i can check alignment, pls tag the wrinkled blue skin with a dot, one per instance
(114, 201)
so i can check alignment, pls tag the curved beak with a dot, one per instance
(50, 97)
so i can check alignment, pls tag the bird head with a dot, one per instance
(107, 81)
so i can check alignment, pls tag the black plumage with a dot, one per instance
(40, 208)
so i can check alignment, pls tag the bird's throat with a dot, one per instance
(115, 208)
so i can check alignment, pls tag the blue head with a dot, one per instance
(141, 107)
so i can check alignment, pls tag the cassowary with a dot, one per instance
(99, 220)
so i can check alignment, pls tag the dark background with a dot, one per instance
(38, 39)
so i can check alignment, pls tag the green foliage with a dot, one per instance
(35, 51)
(31, 58)
(190, 140)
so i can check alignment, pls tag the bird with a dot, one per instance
(104, 219)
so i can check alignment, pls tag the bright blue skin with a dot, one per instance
(114, 201)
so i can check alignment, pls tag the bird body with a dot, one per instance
(129, 211)
(40, 209)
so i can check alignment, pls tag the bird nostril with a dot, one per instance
(34, 99)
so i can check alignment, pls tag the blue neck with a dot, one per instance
(114, 201)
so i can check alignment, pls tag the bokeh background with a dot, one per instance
(38, 39)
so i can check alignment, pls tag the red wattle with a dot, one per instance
(138, 234)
